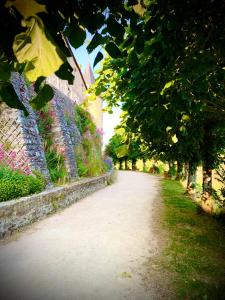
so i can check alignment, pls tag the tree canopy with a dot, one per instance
(171, 82)
(126, 146)
(36, 36)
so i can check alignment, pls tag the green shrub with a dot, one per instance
(89, 159)
(56, 166)
(172, 171)
(36, 184)
(81, 167)
(6, 190)
(14, 184)
(13, 189)
(92, 128)
(88, 153)
(161, 169)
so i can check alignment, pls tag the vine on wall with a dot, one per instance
(88, 152)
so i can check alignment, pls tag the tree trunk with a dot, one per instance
(171, 169)
(186, 167)
(144, 165)
(134, 164)
(207, 180)
(207, 204)
(179, 170)
(208, 161)
(120, 164)
(126, 163)
(191, 180)
(170, 164)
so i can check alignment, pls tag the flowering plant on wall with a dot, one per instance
(61, 151)
(88, 153)
(14, 160)
(55, 156)
(46, 118)
(100, 131)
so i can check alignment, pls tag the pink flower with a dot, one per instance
(2, 154)
(27, 170)
(61, 150)
(100, 131)
(52, 114)
(12, 155)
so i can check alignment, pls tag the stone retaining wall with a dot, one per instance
(17, 213)
(20, 140)
(65, 132)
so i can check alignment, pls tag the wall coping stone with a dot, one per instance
(17, 213)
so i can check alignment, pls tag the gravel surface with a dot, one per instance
(95, 249)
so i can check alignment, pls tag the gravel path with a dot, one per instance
(95, 249)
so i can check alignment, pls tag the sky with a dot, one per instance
(109, 120)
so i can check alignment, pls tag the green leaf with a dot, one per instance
(44, 96)
(34, 49)
(133, 21)
(92, 21)
(139, 9)
(133, 59)
(168, 128)
(115, 29)
(26, 8)
(100, 89)
(167, 86)
(122, 151)
(113, 50)
(5, 71)
(104, 30)
(96, 41)
(139, 44)
(98, 58)
(174, 139)
(9, 96)
(132, 2)
(38, 83)
(127, 42)
(75, 34)
(182, 128)
(65, 72)
(185, 118)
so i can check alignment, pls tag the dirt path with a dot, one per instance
(96, 249)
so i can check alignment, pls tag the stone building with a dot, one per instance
(75, 91)
(94, 106)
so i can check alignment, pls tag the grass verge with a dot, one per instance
(195, 254)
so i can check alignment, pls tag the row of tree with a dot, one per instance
(171, 84)
(125, 147)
